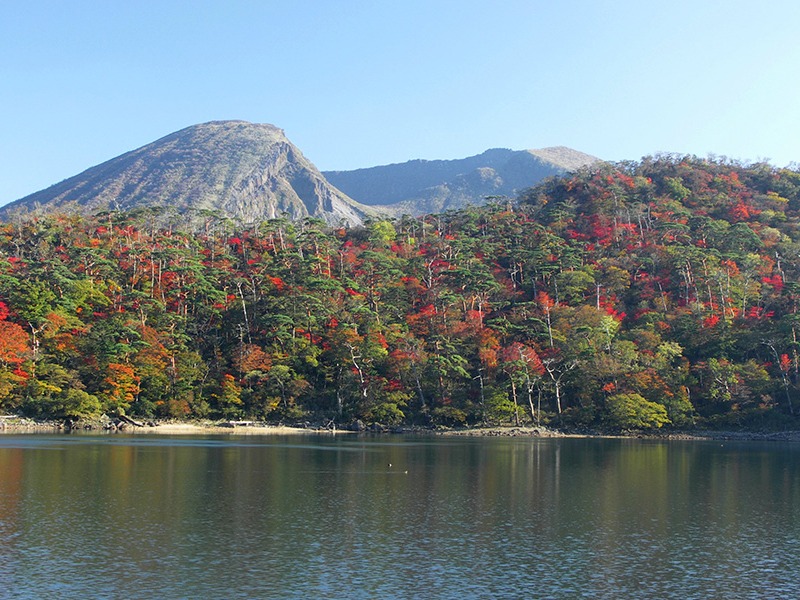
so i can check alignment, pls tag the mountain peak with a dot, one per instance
(564, 157)
(248, 171)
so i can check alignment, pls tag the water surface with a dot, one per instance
(118, 516)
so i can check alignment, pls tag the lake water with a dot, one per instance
(118, 516)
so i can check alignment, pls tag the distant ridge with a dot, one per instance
(246, 171)
(423, 186)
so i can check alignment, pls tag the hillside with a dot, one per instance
(246, 171)
(428, 186)
(660, 293)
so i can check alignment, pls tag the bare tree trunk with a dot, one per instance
(516, 406)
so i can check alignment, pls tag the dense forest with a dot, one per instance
(655, 293)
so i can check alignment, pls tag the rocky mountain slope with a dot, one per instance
(251, 172)
(246, 171)
(425, 186)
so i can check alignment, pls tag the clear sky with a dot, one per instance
(364, 83)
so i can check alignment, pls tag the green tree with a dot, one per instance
(632, 411)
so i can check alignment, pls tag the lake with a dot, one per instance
(119, 516)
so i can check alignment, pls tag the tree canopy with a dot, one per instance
(642, 294)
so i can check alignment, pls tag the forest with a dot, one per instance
(636, 295)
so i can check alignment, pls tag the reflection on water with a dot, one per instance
(344, 517)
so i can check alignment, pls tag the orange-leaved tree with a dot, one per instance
(14, 351)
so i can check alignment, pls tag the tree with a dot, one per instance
(56, 392)
(632, 411)
(524, 369)
(14, 351)
(228, 398)
(119, 387)
(14, 346)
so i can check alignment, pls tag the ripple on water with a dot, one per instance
(478, 519)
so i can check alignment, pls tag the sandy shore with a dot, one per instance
(203, 429)
(21, 425)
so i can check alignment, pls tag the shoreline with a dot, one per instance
(676, 435)
(20, 425)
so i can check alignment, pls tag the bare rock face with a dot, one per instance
(248, 172)
(423, 186)
(251, 172)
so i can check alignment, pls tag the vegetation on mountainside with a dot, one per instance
(632, 295)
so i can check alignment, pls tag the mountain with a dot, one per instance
(251, 172)
(425, 186)
(246, 171)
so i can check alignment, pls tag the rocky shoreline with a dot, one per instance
(778, 436)
(21, 425)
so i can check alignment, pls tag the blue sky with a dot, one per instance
(363, 83)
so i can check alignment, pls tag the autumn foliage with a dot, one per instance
(662, 292)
